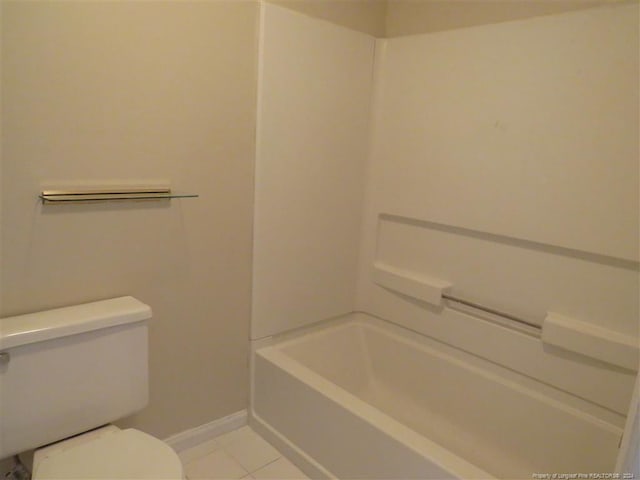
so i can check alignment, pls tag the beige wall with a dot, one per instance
(408, 17)
(95, 92)
(366, 16)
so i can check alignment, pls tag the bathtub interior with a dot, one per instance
(338, 354)
(480, 412)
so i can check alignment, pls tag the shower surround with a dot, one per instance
(500, 160)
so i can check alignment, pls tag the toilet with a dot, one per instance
(65, 375)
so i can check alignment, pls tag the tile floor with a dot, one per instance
(238, 454)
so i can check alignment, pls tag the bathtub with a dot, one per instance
(363, 398)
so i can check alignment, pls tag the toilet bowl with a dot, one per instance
(107, 453)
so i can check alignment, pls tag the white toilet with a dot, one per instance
(65, 374)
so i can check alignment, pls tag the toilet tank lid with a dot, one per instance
(60, 322)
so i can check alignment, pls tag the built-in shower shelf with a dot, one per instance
(109, 195)
(567, 333)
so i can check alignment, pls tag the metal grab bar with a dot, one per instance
(491, 310)
(432, 290)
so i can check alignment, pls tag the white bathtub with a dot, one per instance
(365, 399)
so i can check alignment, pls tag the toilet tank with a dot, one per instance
(68, 370)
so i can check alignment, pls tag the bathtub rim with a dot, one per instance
(566, 400)
(422, 341)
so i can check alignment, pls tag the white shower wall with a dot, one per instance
(313, 117)
(500, 158)
(527, 129)
(505, 161)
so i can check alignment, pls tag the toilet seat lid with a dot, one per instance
(120, 454)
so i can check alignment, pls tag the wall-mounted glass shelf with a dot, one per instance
(109, 195)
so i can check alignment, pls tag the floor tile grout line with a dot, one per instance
(233, 455)
(256, 469)
(268, 463)
(223, 448)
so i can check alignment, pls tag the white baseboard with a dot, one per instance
(194, 436)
